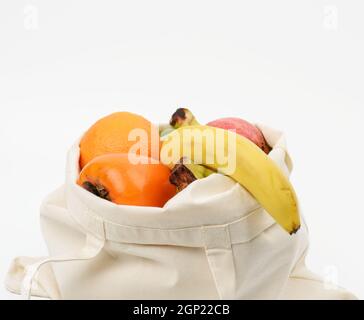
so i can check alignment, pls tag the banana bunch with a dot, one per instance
(234, 155)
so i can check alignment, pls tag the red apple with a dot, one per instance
(243, 128)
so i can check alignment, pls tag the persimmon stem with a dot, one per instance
(97, 189)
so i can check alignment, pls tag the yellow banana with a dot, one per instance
(199, 171)
(252, 168)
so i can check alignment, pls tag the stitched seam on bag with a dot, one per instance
(210, 244)
(86, 229)
(172, 229)
(183, 228)
(307, 279)
(255, 235)
(153, 229)
(211, 268)
(92, 215)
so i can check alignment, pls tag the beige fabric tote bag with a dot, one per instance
(211, 241)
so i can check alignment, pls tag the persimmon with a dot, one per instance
(114, 134)
(115, 178)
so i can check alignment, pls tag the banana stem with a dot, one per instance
(183, 117)
(184, 173)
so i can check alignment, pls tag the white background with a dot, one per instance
(295, 65)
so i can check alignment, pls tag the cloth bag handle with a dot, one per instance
(92, 248)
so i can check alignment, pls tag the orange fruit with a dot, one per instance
(110, 135)
(113, 177)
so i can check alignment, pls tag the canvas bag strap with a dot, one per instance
(218, 249)
(219, 241)
(92, 248)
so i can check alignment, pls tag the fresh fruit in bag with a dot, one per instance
(184, 117)
(235, 156)
(114, 134)
(115, 178)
